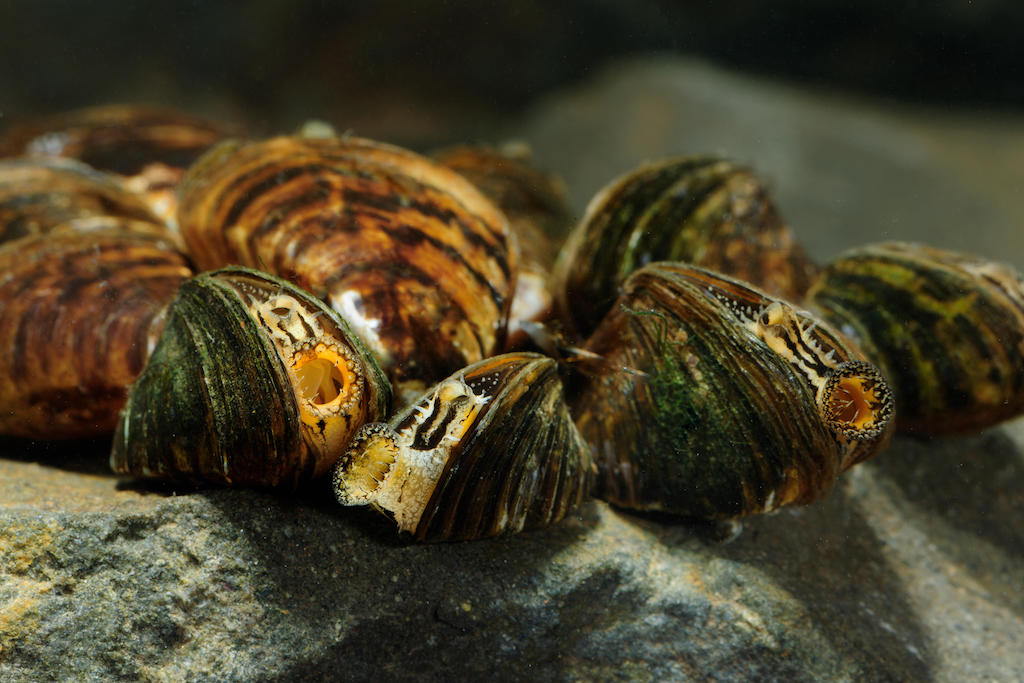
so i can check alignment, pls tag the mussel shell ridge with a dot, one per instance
(120, 139)
(224, 397)
(37, 195)
(80, 310)
(697, 415)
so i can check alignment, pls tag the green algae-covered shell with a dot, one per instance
(717, 401)
(700, 210)
(490, 450)
(946, 328)
(254, 382)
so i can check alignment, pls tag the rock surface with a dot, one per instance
(912, 570)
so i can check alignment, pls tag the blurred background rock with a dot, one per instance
(871, 122)
(436, 69)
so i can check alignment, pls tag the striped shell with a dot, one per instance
(37, 195)
(490, 450)
(534, 202)
(716, 400)
(537, 211)
(254, 382)
(148, 147)
(417, 260)
(699, 210)
(120, 139)
(946, 328)
(80, 311)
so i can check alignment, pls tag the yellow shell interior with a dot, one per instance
(395, 468)
(857, 402)
(328, 390)
(854, 405)
(324, 379)
(366, 465)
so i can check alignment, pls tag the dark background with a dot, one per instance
(428, 72)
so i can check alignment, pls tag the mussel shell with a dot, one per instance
(537, 210)
(700, 210)
(149, 148)
(946, 328)
(694, 413)
(80, 311)
(503, 451)
(534, 202)
(121, 139)
(414, 257)
(222, 399)
(37, 195)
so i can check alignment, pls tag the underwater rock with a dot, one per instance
(909, 571)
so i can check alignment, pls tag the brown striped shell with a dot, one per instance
(253, 382)
(37, 195)
(148, 147)
(120, 138)
(416, 259)
(715, 400)
(490, 450)
(80, 311)
(947, 329)
(701, 210)
(534, 202)
(538, 213)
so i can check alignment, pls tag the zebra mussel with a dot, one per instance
(706, 367)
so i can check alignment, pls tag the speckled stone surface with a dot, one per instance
(912, 570)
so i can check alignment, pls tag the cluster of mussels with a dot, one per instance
(265, 312)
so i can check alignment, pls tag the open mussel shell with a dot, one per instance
(417, 260)
(38, 195)
(488, 451)
(714, 400)
(81, 308)
(946, 328)
(700, 210)
(254, 382)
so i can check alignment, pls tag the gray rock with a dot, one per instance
(911, 570)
